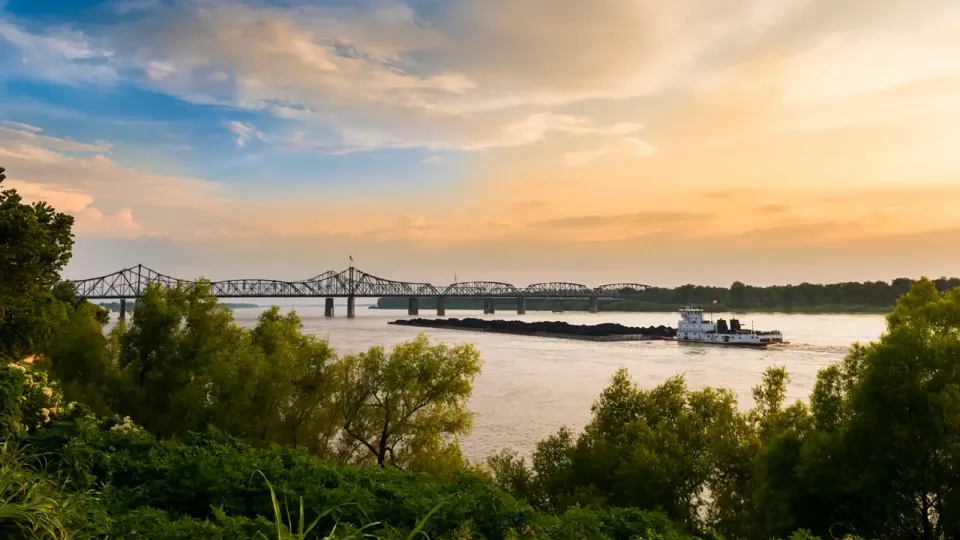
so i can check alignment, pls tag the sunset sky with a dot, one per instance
(593, 141)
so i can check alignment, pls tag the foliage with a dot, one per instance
(875, 453)
(35, 244)
(401, 407)
(211, 485)
(32, 505)
(183, 364)
(655, 449)
(28, 400)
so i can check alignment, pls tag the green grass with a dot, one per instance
(29, 504)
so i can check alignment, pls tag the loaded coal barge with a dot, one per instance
(554, 329)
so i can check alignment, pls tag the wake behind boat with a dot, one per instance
(693, 329)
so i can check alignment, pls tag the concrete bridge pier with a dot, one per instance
(489, 306)
(328, 308)
(123, 309)
(557, 306)
(413, 306)
(441, 307)
(351, 307)
(594, 305)
(521, 305)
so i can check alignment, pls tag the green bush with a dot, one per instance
(210, 484)
(28, 400)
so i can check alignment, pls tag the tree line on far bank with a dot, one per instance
(848, 297)
(171, 426)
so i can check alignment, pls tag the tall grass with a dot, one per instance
(29, 504)
(286, 531)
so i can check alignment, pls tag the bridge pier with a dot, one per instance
(123, 309)
(594, 305)
(351, 307)
(413, 306)
(521, 305)
(441, 307)
(489, 306)
(557, 306)
(328, 307)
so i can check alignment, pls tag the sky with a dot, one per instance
(691, 141)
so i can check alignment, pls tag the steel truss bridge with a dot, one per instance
(350, 283)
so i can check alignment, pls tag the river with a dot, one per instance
(531, 386)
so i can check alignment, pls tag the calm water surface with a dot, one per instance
(530, 387)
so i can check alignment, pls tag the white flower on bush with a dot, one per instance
(40, 400)
(126, 426)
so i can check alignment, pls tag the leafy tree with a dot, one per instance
(35, 245)
(738, 294)
(184, 363)
(904, 421)
(509, 471)
(84, 359)
(653, 449)
(879, 452)
(295, 399)
(406, 408)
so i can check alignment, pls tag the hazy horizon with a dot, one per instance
(509, 140)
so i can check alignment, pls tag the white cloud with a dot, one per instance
(61, 54)
(635, 147)
(584, 157)
(432, 160)
(20, 126)
(160, 70)
(484, 74)
(244, 132)
(103, 195)
(640, 147)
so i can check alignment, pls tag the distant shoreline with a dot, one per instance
(115, 306)
(813, 310)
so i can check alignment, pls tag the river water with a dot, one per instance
(531, 386)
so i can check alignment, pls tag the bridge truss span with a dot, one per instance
(558, 289)
(127, 283)
(621, 289)
(133, 282)
(369, 285)
(485, 289)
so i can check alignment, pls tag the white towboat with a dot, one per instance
(693, 329)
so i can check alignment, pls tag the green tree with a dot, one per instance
(879, 453)
(35, 245)
(738, 295)
(653, 449)
(407, 408)
(84, 359)
(294, 399)
(905, 421)
(184, 364)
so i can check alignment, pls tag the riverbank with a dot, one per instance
(551, 329)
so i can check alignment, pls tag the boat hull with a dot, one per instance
(755, 345)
